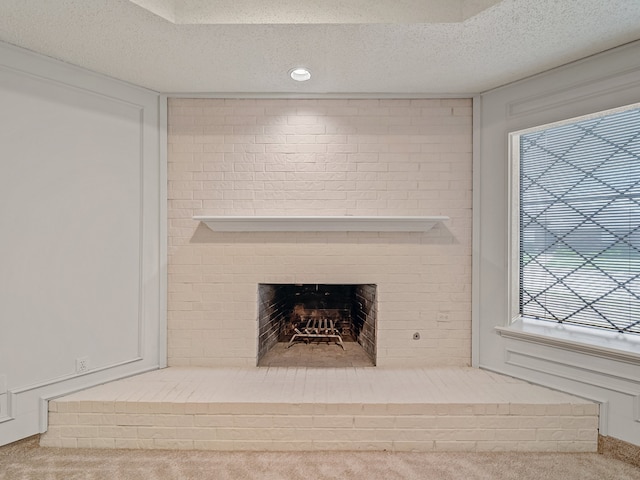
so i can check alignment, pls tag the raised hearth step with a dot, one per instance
(443, 409)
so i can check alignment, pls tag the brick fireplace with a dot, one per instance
(333, 157)
(302, 314)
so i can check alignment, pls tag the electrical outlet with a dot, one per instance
(82, 364)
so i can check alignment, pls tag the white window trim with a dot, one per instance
(576, 338)
(599, 343)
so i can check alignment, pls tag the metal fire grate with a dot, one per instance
(317, 328)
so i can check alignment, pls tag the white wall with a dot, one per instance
(598, 83)
(80, 250)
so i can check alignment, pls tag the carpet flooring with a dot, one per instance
(27, 461)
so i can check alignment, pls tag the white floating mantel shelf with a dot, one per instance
(320, 224)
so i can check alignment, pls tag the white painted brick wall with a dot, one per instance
(320, 157)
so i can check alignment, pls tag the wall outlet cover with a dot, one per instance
(82, 364)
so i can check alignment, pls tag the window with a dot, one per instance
(579, 218)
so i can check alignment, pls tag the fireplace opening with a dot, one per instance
(316, 325)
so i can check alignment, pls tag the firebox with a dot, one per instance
(300, 315)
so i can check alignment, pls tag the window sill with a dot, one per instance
(610, 345)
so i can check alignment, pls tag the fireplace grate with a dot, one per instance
(318, 328)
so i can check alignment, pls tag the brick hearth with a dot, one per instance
(440, 409)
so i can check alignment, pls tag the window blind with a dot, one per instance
(580, 222)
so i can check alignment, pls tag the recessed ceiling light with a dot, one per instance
(300, 74)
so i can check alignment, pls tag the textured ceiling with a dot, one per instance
(207, 12)
(470, 48)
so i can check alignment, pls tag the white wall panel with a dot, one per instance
(80, 245)
(595, 84)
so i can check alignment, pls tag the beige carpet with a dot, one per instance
(26, 461)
